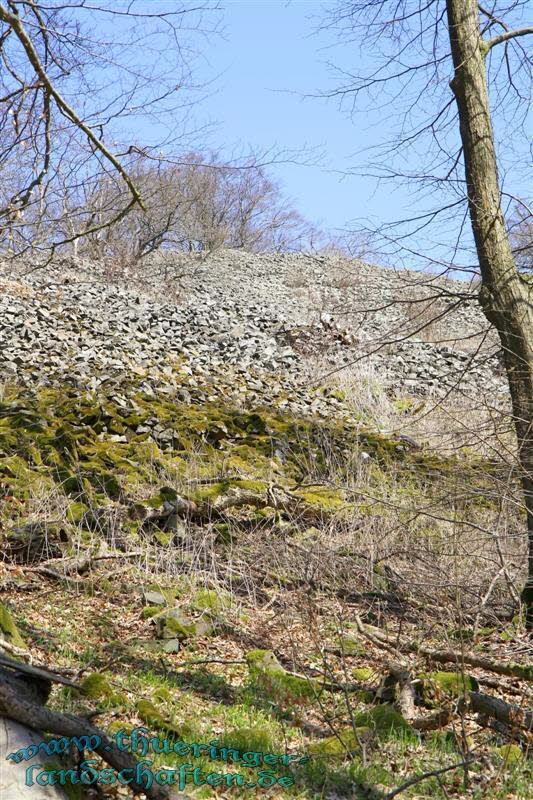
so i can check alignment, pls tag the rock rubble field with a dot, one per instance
(265, 328)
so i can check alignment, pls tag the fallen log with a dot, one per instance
(506, 713)
(24, 719)
(23, 703)
(33, 671)
(274, 496)
(509, 714)
(522, 671)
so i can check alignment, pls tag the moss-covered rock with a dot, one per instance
(363, 674)
(97, 687)
(385, 721)
(8, 628)
(155, 718)
(347, 741)
(326, 500)
(350, 645)
(152, 597)
(268, 675)
(257, 739)
(57, 428)
(150, 611)
(434, 687)
(174, 624)
(33, 542)
(212, 602)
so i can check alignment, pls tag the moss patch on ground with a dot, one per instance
(87, 443)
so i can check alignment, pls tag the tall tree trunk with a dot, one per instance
(505, 296)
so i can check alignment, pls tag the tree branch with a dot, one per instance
(504, 37)
(424, 776)
(15, 23)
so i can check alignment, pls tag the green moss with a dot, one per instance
(404, 404)
(14, 467)
(385, 721)
(97, 687)
(150, 611)
(173, 624)
(268, 675)
(327, 500)
(9, 630)
(251, 486)
(163, 538)
(225, 533)
(170, 593)
(346, 741)
(152, 716)
(257, 739)
(244, 458)
(72, 484)
(262, 659)
(362, 674)
(163, 695)
(351, 645)
(509, 753)
(209, 492)
(212, 601)
(75, 511)
(102, 479)
(61, 439)
(434, 686)
(179, 629)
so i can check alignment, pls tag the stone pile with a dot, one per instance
(264, 327)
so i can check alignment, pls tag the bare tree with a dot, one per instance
(197, 204)
(521, 235)
(71, 99)
(238, 205)
(423, 50)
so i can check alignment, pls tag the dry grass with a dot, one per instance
(434, 542)
(400, 549)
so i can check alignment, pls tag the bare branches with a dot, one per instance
(424, 776)
(505, 37)
(63, 92)
(16, 25)
(522, 671)
(198, 205)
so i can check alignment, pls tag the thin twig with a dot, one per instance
(419, 778)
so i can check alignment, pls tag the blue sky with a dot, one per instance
(259, 75)
(269, 59)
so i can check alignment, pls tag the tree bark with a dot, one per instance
(505, 296)
(23, 703)
(512, 715)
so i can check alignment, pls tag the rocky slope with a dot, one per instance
(177, 517)
(258, 326)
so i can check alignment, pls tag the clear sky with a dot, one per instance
(268, 60)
